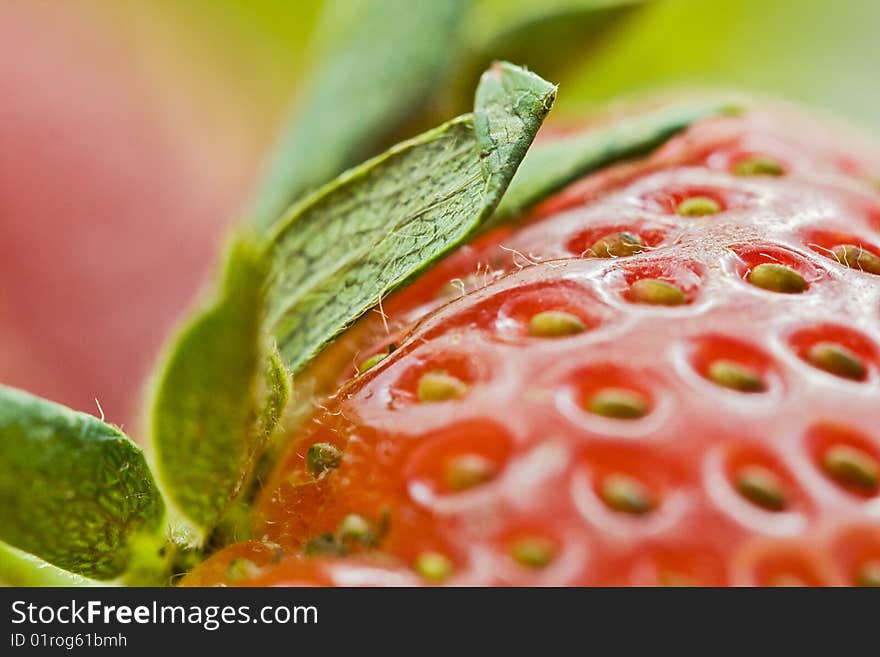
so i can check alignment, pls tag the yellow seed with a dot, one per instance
(469, 470)
(555, 324)
(758, 165)
(762, 487)
(533, 552)
(852, 466)
(618, 403)
(698, 206)
(838, 360)
(855, 257)
(439, 386)
(617, 245)
(626, 494)
(371, 362)
(869, 574)
(433, 566)
(656, 292)
(733, 375)
(777, 278)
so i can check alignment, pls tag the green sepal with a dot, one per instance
(340, 250)
(74, 491)
(20, 568)
(213, 409)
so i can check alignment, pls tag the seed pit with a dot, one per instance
(544, 311)
(762, 487)
(613, 392)
(658, 282)
(462, 458)
(761, 480)
(785, 564)
(627, 488)
(732, 363)
(851, 467)
(846, 249)
(438, 376)
(533, 551)
(676, 565)
(836, 350)
(857, 549)
(838, 360)
(609, 241)
(846, 457)
(773, 268)
(689, 200)
(756, 164)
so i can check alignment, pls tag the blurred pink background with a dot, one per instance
(114, 193)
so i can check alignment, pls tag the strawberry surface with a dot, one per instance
(669, 373)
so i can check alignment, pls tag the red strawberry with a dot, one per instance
(669, 374)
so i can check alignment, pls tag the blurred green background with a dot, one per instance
(132, 134)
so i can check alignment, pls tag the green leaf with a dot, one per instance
(341, 249)
(74, 491)
(207, 427)
(551, 166)
(19, 568)
(378, 61)
(235, 524)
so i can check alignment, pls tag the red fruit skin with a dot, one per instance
(525, 407)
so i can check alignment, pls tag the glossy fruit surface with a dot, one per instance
(668, 374)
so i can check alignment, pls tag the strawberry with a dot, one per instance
(669, 373)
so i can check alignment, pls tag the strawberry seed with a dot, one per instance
(777, 278)
(852, 466)
(733, 375)
(617, 245)
(762, 487)
(838, 360)
(656, 292)
(618, 403)
(555, 324)
(626, 494)
(698, 206)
